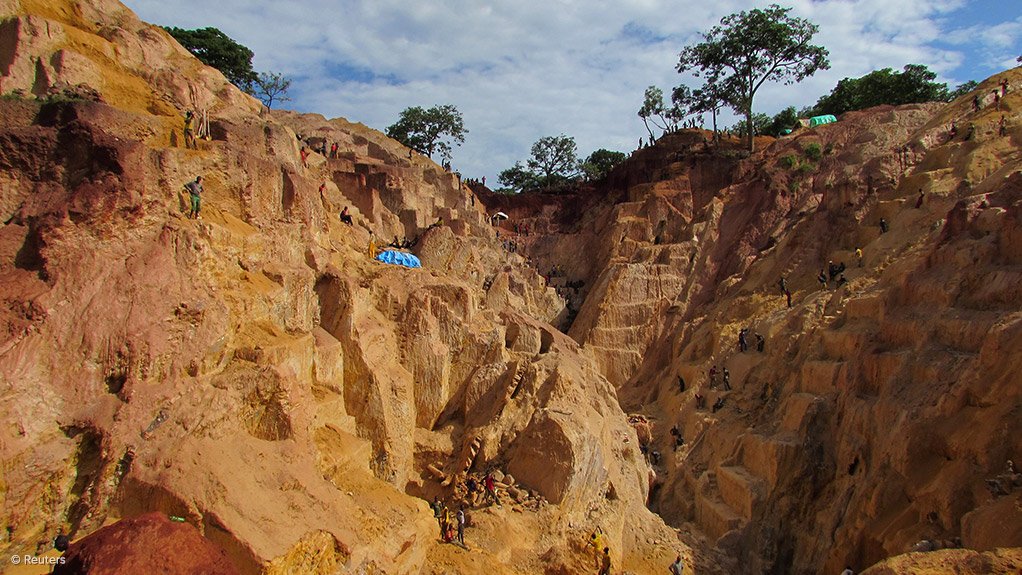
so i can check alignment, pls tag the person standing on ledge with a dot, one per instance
(195, 194)
(461, 525)
(605, 564)
(189, 133)
(373, 252)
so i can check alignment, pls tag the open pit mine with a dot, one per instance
(248, 392)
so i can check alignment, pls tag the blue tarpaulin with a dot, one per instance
(399, 259)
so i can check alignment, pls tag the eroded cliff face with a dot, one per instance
(253, 371)
(878, 408)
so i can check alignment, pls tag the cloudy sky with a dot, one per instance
(519, 70)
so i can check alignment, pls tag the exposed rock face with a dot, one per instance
(253, 371)
(999, 562)
(877, 410)
(149, 543)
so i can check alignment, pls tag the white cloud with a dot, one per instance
(530, 68)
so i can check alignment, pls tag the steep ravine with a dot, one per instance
(878, 410)
(256, 374)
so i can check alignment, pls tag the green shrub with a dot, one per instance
(789, 161)
(806, 168)
(17, 94)
(813, 151)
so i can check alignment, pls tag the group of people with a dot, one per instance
(833, 271)
(602, 551)
(723, 372)
(404, 243)
(305, 151)
(522, 229)
(452, 525)
(743, 341)
(996, 95)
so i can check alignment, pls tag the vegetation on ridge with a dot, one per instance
(214, 48)
(750, 48)
(915, 84)
(428, 131)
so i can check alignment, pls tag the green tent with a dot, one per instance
(820, 120)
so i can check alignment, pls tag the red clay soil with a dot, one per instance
(149, 543)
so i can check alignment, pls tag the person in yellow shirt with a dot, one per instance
(372, 246)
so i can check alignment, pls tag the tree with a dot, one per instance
(270, 87)
(786, 119)
(913, 85)
(962, 90)
(553, 162)
(600, 163)
(554, 159)
(518, 178)
(430, 131)
(214, 48)
(760, 124)
(654, 111)
(710, 98)
(750, 48)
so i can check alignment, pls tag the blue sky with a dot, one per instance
(523, 69)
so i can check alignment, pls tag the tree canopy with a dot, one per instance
(750, 48)
(554, 161)
(600, 163)
(429, 131)
(962, 90)
(760, 124)
(214, 48)
(709, 98)
(786, 119)
(655, 111)
(518, 178)
(912, 85)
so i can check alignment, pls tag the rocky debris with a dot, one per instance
(1005, 483)
(149, 543)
